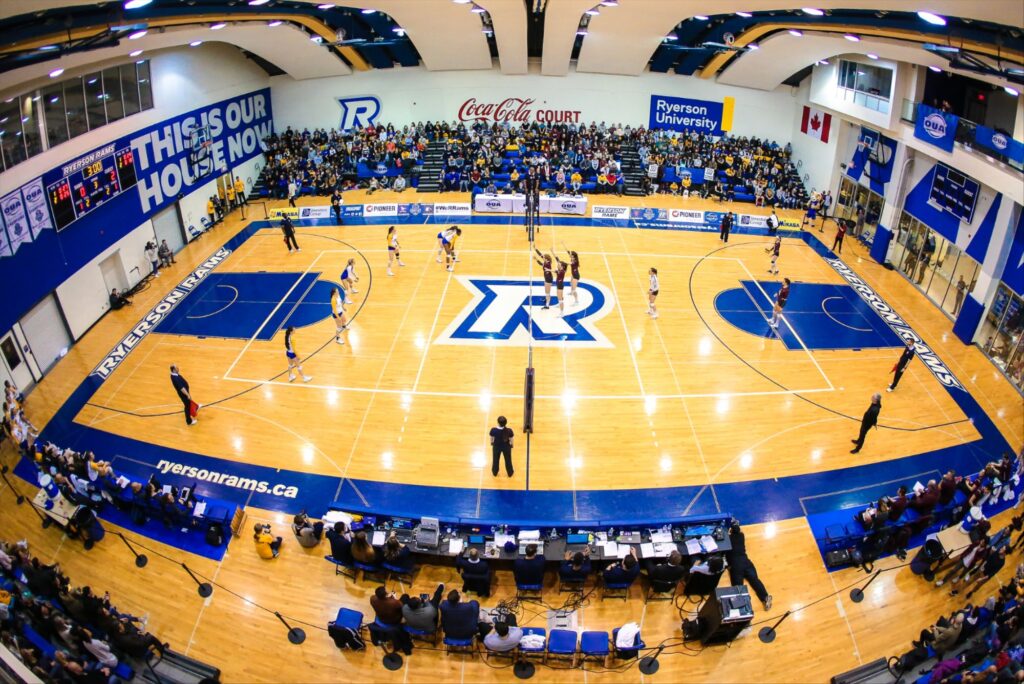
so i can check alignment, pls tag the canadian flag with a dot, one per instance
(816, 124)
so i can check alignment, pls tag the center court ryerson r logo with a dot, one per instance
(499, 314)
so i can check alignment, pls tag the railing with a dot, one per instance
(965, 135)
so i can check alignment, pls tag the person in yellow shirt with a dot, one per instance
(240, 190)
(267, 546)
(211, 212)
(230, 190)
(674, 188)
(576, 180)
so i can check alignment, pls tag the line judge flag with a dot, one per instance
(816, 124)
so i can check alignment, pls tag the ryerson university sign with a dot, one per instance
(682, 114)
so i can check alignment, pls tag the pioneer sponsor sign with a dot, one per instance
(515, 110)
(685, 216)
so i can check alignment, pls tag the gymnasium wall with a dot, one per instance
(184, 80)
(414, 94)
(816, 159)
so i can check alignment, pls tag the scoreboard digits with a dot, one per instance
(84, 190)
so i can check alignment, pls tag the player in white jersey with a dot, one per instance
(393, 249)
(338, 313)
(652, 292)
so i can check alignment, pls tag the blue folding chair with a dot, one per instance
(562, 644)
(616, 590)
(342, 568)
(378, 573)
(459, 645)
(627, 653)
(526, 650)
(399, 571)
(422, 634)
(352, 619)
(522, 589)
(594, 645)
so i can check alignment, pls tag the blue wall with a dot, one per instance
(237, 127)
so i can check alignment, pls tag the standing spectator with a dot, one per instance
(230, 196)
(211, 213)
(858, 227)
(240, 191)
(181, 387)
(989, 569)
(165, 254)
(501, 445)
(293, 192)
(905, 358)
(826, 204)
(742, 568)
(725, 227)
(869, 421)
(288, 228)
(837, 244)
(961, 289)
(152, 258)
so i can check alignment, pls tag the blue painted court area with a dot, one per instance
(244, 305)
(824, 316)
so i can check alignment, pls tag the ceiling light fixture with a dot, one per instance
(477, 9)
(276, 22)
(593, 11)
(671, 36)
(48, 48)
(813, 11)
(932, 18)
(195, 43)
(136, 4)
(753, 46)
(823, 62)
(137, 35)
(795, 32)
(368, 11)
(257, 3)
(745, 15)
(135, 53)
(316, 39)
(610, 3)
(872, 55)
(700, 17)
(936, 69)
(852, 38)
(325, 6)
(1011, 91)
(462, 2)
(218, 27)
(581, 32)
(56, 72)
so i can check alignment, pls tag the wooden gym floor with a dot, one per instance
(392, 406)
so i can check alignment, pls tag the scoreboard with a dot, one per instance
(91, 186)
(955, 193)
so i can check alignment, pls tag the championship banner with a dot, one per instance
(685, 216)
(5, 245)
(605, 212)
(453, 209)
(13, 209)
(36, 210)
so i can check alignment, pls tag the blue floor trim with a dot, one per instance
(289, 491)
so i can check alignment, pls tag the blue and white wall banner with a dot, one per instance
(36, 208)
(1001, 143)
(684, 114)
(451, 209)
(358, 111)
(499, 314)
(936, 127)
(380, 210)
(606, 212)
(685, 216)
(1013, 273)
(12, 207)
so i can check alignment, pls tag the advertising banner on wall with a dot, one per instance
(685, 216)
(453, 209)
(380, 210)
(993, 140)
(936, 127)
(684, 114)
(604, 212)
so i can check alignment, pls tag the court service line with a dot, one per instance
(270, 315)
(791, 328)
(679, 387)
(505, 251)
(433, 327)
(223, 308)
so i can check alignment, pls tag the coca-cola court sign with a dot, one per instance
(515, 110)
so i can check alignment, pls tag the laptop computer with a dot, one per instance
(577, 539)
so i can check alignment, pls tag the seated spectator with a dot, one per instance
(118, 300)
(947, 488)
(530, 569)
(165, 254)
(341, 542)
(504, 638)
(925, 501)
(267, 546)
(399, 184)
(420, 613)
(898, 504)
(307, 532)
(396, 553)
(100, 650)
(713, 565)
(669, 572)
(362, 551)
(386, 608)
(625, 571)
(460, 620)
(576, 566)
(476, 573)
(942, 636)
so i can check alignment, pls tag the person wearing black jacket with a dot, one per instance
(741, 568)
(184, 394)
(869, 421)
(529, 571)
(288, 228)
(901, 365)
(341, 543)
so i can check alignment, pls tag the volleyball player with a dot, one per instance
(348, 279)
(652, 292)
(338, 313)
(393, 249)
(774, 250)
(443, 238)
(560, 284)
(293, 358)
(574, 272)
(780, 303)
(448, 239)
(545, 263)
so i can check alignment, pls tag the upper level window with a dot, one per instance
(865, 84)
(36, 121)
